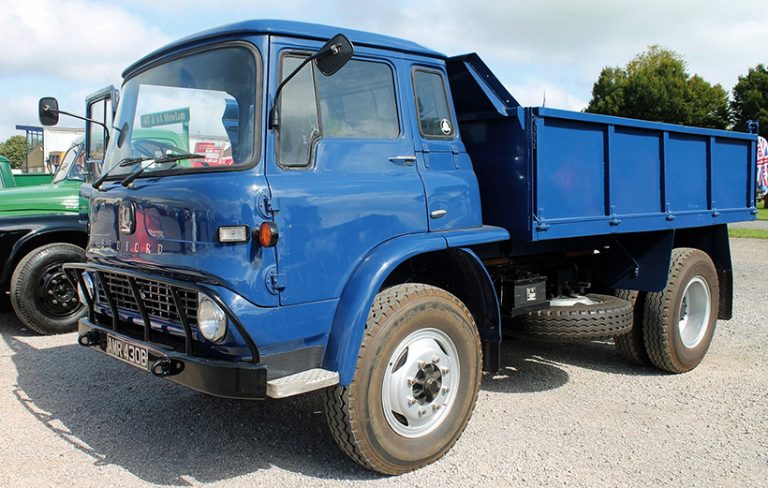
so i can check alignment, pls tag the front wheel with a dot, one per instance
(41, 295)
(416, 382)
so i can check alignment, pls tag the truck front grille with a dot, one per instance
(155, 296)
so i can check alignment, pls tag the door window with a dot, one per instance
(98, 110)
(432, 104)
(298, 114)
(358, 102)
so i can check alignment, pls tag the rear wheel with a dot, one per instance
(416, 382)
(41, 295)
(679, 321)
(631, 345)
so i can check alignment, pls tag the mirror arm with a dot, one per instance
(61, 112)
(274, 115)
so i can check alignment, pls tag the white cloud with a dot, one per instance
(22, 109)
(570, 41)
(17, 110)
(534, 92)
(555, 45)
(71, 39)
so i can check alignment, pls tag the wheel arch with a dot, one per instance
(33, 240)
(713, 240)
(649, 254)
(394, 262)
(460, 272)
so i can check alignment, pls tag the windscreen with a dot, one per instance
(202, 104)
(72, 167)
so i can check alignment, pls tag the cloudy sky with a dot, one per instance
(70, 48)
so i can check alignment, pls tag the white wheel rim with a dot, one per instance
(571, 300)
(695, 309)
(421, 382)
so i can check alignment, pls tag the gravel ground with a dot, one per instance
(753, 224)
(559, 415)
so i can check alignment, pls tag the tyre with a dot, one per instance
(41, 295)
(588, 317)
(679, 321)
(416, 381)
(631, 345)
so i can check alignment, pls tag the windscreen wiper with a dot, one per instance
(171, 158)
(123, 163)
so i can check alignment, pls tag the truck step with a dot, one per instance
(312, 379)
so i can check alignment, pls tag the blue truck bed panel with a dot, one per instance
(596, 174)
(551, 174)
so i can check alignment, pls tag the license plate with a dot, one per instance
(127, 352)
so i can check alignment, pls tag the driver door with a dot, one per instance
(101, 106)
(343, 172)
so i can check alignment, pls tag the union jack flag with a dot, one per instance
(762, 165)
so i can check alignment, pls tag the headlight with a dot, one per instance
(88, 287)
(211, 319)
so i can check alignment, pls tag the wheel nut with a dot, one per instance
(423, 411)
(410, 381)
(435, 359)
(421, 364)
(436, 406)
(55, 302)
(411, 401)
(445, 389)
(444, 370)
(50, 292)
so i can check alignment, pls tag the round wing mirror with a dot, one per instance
(334, 54)
(48, 111)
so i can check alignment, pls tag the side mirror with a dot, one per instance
(48, 111)
(334, 54)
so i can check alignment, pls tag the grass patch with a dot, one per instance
(762, 212)
(748, 233)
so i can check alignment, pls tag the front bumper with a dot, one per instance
(228, 379)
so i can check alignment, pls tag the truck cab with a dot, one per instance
(379, 131)
(318, 223)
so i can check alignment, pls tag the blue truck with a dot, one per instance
(380, 217)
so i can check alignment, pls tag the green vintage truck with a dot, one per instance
(44, 226)
(10, 180)
(41, 228)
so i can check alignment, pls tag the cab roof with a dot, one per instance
(290, 29)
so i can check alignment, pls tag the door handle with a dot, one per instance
(403, 160)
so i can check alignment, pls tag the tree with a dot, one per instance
(15, 149)
(655, 85)
(750, 99)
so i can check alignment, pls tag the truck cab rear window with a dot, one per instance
(432, 104)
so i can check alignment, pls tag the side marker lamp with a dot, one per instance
(268, 234)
